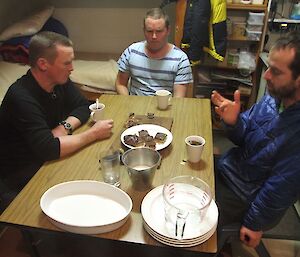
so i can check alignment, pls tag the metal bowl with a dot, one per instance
(141, 165)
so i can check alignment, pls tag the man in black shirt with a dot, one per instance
(39, 113)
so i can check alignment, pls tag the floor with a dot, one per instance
(12, 244)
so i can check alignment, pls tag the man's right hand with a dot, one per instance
(228, 110)
(103, 128)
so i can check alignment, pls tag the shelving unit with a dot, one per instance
(240, 41)
(249, 7)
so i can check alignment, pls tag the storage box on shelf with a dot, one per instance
(256, 17)
(253, 35)
(254, 26)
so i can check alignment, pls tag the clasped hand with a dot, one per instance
(249, 237)
(228, 110)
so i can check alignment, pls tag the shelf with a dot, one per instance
(283, 20)
(247, 7)
(241, 12)
(222, 65)
(241, 38)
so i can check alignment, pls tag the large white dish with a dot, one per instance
(86, 206)
(152, 130)
(152, 210)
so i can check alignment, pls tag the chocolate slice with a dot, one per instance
(160, 137)
(132, 140)
(150, 142)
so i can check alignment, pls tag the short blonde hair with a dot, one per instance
(44, 45)
(157, 13)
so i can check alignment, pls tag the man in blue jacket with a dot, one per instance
(258, 180)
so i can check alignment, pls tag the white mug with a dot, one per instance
(93, 107)
(194, 148)
(163, 99)
(97, 114)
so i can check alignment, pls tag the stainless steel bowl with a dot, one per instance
(141, 165)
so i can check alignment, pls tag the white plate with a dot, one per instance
(200, 239)
(152, 130)
(152, 210)
(86, 206)
(166, 241)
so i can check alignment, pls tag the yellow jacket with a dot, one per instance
(205, 29)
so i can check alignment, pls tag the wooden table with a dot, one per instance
(190, 117)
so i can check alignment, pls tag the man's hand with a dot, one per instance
(249, 237)
(228, 110)
(103, 128)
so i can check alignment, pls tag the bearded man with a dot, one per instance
(258, 180)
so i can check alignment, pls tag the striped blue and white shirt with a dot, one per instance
(149, 75)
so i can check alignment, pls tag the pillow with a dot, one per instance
(9, 73)
(28, 26)
(96, 74)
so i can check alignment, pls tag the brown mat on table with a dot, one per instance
(165, 122)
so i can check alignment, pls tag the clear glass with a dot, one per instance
(110, 167)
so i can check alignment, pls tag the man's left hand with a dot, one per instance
(249, 237)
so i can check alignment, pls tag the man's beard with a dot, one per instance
(282, 92)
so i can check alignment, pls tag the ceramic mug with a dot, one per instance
(163, 99)
(97, 114)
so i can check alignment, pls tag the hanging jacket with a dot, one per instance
(205, 29)
(166, 2)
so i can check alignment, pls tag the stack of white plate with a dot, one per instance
(153, 213)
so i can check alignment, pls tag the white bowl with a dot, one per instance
(86, 206)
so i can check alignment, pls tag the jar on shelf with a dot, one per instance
(229, 26)
(233, 57)
(238, 28)
(257, 1)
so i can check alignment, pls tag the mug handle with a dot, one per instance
(170, 99)
(92, 114)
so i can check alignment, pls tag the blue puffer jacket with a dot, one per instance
(265, 167)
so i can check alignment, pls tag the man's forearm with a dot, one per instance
(122, 90)
(180, 90)
(71, 144)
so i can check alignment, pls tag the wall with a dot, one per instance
(94, 26)
(11, 11)
(102, 29)
(106, 26)
(283, 11)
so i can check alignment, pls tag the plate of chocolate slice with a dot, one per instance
(147, 135)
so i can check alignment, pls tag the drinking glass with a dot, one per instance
(110, 167)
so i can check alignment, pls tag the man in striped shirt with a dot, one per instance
(154, 64)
